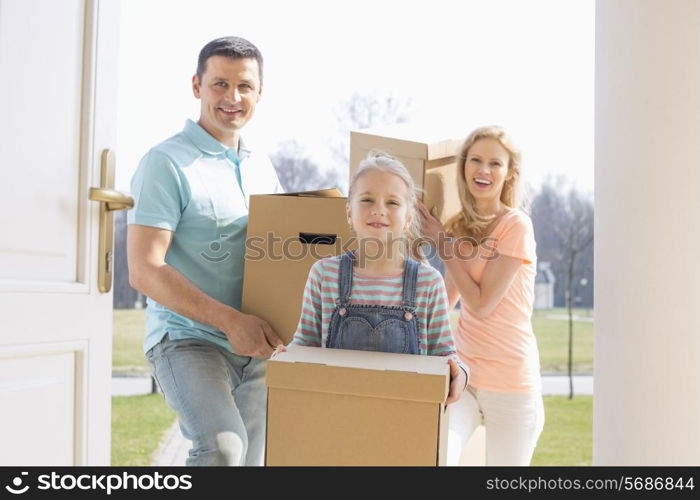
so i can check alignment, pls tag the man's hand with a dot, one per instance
(151, 275)
(250, 335)
(457, 381)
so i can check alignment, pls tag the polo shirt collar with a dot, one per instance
(243, 150)
(207, 144)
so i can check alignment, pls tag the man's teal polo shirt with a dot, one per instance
(189, 184)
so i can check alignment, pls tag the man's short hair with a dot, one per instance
(233, 47)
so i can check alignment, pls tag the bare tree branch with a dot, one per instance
(298, 172)
(363, 110)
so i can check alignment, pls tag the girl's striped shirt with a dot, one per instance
(321, 292)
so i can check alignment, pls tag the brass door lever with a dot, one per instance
(110, 201)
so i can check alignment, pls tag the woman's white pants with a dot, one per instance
(513, 422)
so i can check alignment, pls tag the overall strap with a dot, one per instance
(345, 278)
(410, 279)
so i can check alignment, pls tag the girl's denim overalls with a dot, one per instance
(365, 327)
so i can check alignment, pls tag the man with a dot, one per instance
(186, 244)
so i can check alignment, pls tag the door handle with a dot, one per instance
(110, 201)
(114, 199)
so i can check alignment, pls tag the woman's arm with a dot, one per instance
(483, 298)
(480, 298)
(452, 291)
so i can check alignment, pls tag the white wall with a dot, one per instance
(647, 195)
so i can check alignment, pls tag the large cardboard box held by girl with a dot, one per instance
(427, 153)
(342, 407)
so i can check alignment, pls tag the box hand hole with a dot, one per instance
(317, 238)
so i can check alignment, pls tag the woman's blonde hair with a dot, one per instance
(379, 161)
(468, 223)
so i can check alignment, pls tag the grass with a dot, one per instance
(553, 344)
(562, 310)
(127, 341)
(567, 438)
(138, 423)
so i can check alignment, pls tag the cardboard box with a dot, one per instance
(287, 233)
(428, 156)
(342, 407)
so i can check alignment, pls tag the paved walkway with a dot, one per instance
(173, 447)
(131, 385)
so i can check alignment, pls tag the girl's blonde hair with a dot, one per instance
(468, 223)
(379, 161)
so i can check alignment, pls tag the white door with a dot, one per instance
(57, 115)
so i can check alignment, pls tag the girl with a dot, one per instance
(379, 298)
(491, 267)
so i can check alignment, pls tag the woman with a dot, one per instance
(490, 267)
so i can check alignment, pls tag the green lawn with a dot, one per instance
(138, 423)
(567, 438)
(127, 342)
(562, 310)
(553, 343)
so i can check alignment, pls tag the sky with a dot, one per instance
(526, 65)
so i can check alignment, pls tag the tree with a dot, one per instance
(547, 209)
(363, 110)
(297, 172)
(567, 234)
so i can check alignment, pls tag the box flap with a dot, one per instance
(413, 140)
(369, 360)
(377, 374)
(324, 193)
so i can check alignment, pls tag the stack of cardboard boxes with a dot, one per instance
(331, 406)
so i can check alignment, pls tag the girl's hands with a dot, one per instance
(458, 380)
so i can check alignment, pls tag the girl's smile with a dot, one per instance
(380, 206)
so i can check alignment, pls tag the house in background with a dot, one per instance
(544, 286)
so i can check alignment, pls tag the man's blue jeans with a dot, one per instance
(219, 397)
